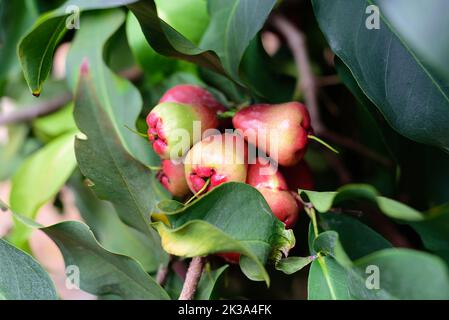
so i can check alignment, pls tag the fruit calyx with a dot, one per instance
(156, 134)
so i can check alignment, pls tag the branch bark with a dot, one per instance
(192, 278)
(297, 43)
(38, 110)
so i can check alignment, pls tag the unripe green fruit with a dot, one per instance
(171, 127)
(217, 159)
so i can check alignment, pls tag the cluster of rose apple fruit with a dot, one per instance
(210, 160)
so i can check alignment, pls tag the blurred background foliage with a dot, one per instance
(38, 166)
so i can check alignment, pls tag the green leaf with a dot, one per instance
(155, 65)
(36, 48)
(21, 277)
(188, 17)
(55, 124)
(423, 36)
(388, 71)
(291, 265)
(350, 232)
(327, 280)
(233, 217)
(403, 274)
(33, 186)
(102, 218)
(434, 231)
(328, 243)
(116, 176)
(102, 273)
(432, 226)
(208, 282)
(167, 41)
(234, 23)
(118, 97)
(15, 18)
(324, 201)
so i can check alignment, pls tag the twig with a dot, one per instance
(330, 80)
(192, 278)
(38, 110)
(297, 43)
(46, 107)
(162, 272)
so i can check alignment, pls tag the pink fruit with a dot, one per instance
(217, 159)
(168, 119)
(281, 127)
(172, 177)
(231, 257)
(272, 185)
(194, 95)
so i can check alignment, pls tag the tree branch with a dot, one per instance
(192, 278)
(297, 43)
(46, 107)
(38, 110)
(162, 273)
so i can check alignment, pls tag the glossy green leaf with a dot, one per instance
(412, 98)
(118, 97)
(403, 274)
(155, 65)
(424, 35)
(431, 226)
(33, 186)
(21, 277)
(102, 273)
(167, 41)
(188, 17)
(233, 217)
(328, 243)
(327, 281)
(102, 218)
(434, 231)
(15, 18)
(234, 23)
(291, 265)
(36, 48)
(357, 239)
(324, 201)
(116, 176)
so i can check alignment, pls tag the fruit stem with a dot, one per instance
(154, 168)
(226, 114)
(196, 195)
(327, 145)
(137, 132)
